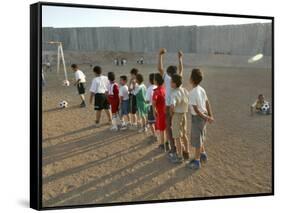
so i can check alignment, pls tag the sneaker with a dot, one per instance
(167, 146)
(83, 104)
(96, 125)
(161, 147)
(171, 155)
(176, 159)
(134, 127)
(185, 155)
(194, 164)
(123, 127)
(114, 128)
(203, 157)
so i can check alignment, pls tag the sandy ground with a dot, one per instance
(87, 165)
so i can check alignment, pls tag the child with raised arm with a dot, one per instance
(124, 102)
(141, 102)
(201, 113)
(167, 75)
(150, 115)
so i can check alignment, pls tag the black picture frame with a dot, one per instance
(36, 102)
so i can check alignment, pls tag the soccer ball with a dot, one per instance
(66, 83)
(63, 104)
(265, 107)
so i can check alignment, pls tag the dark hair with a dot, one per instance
(111, 76)
(196, 76)
(124, 77)
(97, 70)
(74, 66)
(260, 95)
(151, 78)
(171, 70)
(159, 79)
(177, 79)
(134, 71)
(139, 78)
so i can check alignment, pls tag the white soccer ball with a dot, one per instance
(66, 83)
(265, 107)
(63, 104)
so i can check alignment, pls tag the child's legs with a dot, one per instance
(152, 128)
(203, 148)
(82, 97)
(161, 137)
(169, 129)
(98, 115)
(184, 134)
(108, 113)
(197, 153)
(179, 146)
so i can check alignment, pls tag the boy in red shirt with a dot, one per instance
(159, 108)
(113, 99)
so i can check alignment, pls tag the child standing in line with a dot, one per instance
(170, 71)
(141, 102)
(98, 90)
(150, 116)
(132, 98)
(80, 80)
(113, 98)
(179, 108)
(124, 102)
(159, 109)
(201, 114)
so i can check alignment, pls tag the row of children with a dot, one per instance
(163, 105)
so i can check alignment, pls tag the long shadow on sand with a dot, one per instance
(58, 109)
(91, 164)
(111, 187)
(81, 145)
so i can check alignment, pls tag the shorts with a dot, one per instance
(101, 101)
(132, 104)
(198, 131)
(81, 88)
(125, 107)
(178, 125)
(160, 123)
(114, 104)
(150, 115)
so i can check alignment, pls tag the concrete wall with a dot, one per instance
(248, 39)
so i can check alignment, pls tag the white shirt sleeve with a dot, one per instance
(121, 91)
(192, 99)
(93, 87)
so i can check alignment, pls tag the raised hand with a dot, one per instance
(162, 51)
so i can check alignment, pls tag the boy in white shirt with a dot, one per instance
(124, 102)
(98, 90)
(201, 114)
(80, 80)
(179, 108)
(150, 115)
(171, 70)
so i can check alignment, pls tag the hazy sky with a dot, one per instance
(54, 16)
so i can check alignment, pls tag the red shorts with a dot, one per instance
(114, 104)
(160, 123)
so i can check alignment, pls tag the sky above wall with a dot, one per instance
(54, 16)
